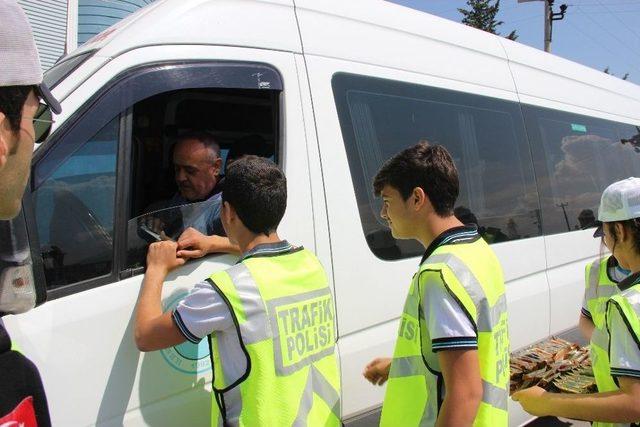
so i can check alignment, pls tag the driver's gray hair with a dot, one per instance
(206, 138)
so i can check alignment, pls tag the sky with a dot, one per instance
(596, 33)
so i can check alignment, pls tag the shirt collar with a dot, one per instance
(629, 281)
(268, 249)
(463, 233)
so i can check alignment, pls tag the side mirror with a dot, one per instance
(22, 281)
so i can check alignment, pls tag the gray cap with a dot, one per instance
(20, 64)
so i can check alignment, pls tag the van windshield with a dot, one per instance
(167, 224)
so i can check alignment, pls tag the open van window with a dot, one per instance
(232, 117)
(116, 162)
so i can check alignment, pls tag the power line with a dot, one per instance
(598, 43)
(608, 32)
(618, 18)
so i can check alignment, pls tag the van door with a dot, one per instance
(378, 112)
(106, 165)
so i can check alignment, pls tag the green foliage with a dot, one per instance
(482, 14)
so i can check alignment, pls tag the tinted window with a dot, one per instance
(577, 157)
(75, 211)
(485, 136)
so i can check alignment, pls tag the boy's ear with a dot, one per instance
(418, 197)
(4, 144)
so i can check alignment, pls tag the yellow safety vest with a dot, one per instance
(472, 274)
(630, 312)
(285, 318)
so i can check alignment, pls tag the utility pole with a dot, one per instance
(548, 9)
(549, 17)
(564, 211)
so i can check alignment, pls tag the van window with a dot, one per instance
(242, 121)
(84, 240)
(577, 157)
(485, 136)
(74, 210)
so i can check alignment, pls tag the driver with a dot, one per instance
(197, 164)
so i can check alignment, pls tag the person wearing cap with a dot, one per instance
(615, 342)
(22, 398)
(21, 88)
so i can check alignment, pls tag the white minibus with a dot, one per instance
(332, 89)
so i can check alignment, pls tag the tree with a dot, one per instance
(482, 14)
(607, 70)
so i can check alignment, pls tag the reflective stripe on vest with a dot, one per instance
(411, 390)
(286, 323)
(599, 289)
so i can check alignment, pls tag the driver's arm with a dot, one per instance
(193, 244)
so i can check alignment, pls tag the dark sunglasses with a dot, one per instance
(42, 122)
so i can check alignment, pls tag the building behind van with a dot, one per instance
(60, 26)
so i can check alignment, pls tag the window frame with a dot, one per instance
(120, 94)
(343, 82)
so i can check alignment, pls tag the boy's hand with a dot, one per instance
(163, 256)
(532, 400)
(377, 371)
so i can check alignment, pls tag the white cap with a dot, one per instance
(19, 61)
(620, 201)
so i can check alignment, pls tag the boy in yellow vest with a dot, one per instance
(269, 319)
(451, 362)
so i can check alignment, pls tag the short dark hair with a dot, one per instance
(206, 138)
(12, 99)
(423, 165)
(257, 190)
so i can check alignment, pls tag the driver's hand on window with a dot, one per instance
(163, 256)
(194, 244)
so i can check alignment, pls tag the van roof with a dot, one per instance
(373, 32)
(266, 24)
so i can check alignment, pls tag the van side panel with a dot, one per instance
(392, 36)
(370, 291)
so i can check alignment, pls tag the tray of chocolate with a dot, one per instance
(555, 365)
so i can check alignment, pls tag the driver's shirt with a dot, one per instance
(209, 222)
(203, 311)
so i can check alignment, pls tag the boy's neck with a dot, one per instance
(250, 241)
(434, 226)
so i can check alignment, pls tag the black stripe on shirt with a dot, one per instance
(586, 313)
(177, 319)
(454, 343)
(623, 372)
